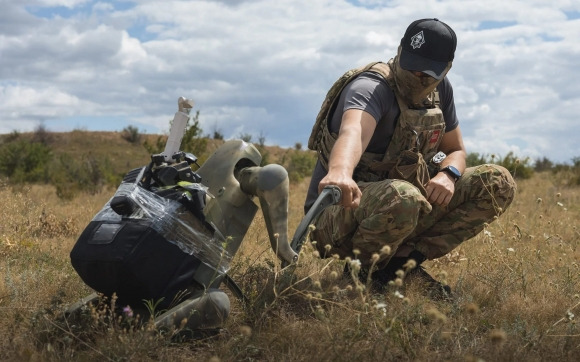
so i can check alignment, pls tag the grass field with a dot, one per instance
(516, 293)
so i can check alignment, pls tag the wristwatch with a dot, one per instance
(451, 171)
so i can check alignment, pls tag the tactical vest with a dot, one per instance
(417, 135)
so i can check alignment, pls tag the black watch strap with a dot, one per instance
(452, 171)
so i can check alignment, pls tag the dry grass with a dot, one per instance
(516, 290)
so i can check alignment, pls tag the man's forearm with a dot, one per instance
(455, 159)
(345, 154)
(355, 133)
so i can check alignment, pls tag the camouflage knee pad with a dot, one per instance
(482, 194)
(387, 214)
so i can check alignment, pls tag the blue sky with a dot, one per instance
(263, 67)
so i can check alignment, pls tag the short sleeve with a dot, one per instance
(369, 93)
(448, 105)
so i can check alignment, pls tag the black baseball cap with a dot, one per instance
(428, 46)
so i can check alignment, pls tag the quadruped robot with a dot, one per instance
(169, 233)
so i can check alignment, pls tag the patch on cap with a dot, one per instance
(417, 40)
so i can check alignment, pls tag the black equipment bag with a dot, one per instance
(125, 249)
(131, 259)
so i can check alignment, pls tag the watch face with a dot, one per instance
(452, 171)
(455, 171)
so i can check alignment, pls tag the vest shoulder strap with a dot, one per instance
(333, 94)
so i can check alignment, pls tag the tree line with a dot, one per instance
(31, 158)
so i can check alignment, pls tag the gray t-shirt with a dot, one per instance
(371, 93)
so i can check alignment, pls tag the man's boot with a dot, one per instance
(435, 288)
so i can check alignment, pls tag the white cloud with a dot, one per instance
(263, 67)
(65, 3)
(23, 107)
(102, 6)
(130, 51)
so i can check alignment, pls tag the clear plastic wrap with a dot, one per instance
(175, 223)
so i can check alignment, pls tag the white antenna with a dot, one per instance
(177, 129)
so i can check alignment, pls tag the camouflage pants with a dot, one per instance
(395, 213)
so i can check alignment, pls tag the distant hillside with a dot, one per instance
(86, 161)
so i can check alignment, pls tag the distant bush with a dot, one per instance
(475, 159)
(131, 134)
(218, 135)
(300, 165)
(543, 164)
(24, 161)
(86, 174)
(12, 136)
(42, 135)
(575, 171)
(517, 167)
(262, 139)
(566, 174)
(157, 146)
(246, 137)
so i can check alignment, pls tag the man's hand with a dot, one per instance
(440, 189)
(351, 194)
(442, 186)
